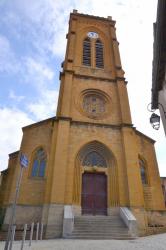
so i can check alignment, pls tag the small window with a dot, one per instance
(39, 163)
(143, 172)
(94, 159)
(99, 54)
(87, 52)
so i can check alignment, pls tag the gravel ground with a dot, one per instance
(155, 242)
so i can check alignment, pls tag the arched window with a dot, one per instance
(94, 159)
(93, 51)
(39, 163)
(87, 52)
(99, 54)
(143, 172)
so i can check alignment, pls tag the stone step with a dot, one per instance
(99, 227)
(99, 234)
(97, 217)
(100, 223)
(77, 227)
(102, 237)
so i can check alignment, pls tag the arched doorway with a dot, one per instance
(95, 187)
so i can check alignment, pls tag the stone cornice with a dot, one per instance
(114, 126)
(64, 118)
(82, 76)
(76, 14)
(145, 136)
(94, 77)
(14, 154)
(39, 123)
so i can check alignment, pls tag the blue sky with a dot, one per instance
(32, 47)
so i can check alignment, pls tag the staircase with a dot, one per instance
(99, 227)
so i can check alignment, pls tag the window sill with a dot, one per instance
(37, 178)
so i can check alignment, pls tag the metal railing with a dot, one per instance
(36, 231)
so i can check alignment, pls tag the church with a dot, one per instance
(89, 167)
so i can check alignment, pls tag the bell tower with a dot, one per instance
(93, 87)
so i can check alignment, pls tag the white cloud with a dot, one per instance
(38, 70)
(41, 77)
(45, 106)
(10, 130)
(16, 98)
(7, 58)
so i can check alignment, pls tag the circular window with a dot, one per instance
(94, 103)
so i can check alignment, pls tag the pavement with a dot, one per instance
(155, 242)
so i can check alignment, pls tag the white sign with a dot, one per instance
(23, 161)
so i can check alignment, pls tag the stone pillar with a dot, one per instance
(135, 189)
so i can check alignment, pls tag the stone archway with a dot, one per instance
(103, 165)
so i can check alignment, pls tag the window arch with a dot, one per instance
(39, 163)
(94, 159)
(99, 54)
(87, 52)
(93, 52)
(143, 172)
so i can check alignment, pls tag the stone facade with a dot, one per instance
(75, 131)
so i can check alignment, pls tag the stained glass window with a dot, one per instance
(94, 159)
(143, 172)
(39, 163)
(94, 104)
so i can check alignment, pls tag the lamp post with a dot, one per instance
(155, 119)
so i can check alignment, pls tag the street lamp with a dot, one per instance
(155, 119)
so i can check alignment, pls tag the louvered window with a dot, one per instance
(87, 52)
(99, 54)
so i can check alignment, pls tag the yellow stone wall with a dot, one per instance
(31, 189)
(8, 178)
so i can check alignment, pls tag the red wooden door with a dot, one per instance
(94, 194)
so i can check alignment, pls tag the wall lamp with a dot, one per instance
(155, 119)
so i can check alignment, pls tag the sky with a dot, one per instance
(32, 47)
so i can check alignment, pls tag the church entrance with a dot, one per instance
(94, 194)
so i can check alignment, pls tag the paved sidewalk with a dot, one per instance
(155, 242)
